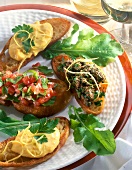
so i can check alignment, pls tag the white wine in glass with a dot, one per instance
(121, 11)
(91, 9)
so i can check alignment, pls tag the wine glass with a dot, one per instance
(121, 11)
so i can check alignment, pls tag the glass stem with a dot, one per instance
(130, 33)
(125, 34)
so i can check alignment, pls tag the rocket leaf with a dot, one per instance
(89, 131)
(10, 126)
(102, 46)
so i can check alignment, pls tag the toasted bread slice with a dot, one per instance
(58, 64)
(63, 97)
(60, 28)
(64, 129)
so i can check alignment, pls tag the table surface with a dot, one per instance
(110, 25)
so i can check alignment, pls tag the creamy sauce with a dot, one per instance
(26, 145)
(41, 36)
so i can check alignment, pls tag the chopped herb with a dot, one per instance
(27, 44)
(20, 87)
(45, 70)
(31, 72)
(23, 31)
(15, 80)
(98, 103)
(1, 82)
(44, 83)
(96, 94)
(102, 94)
(13, 98)
(45, 126)
(29, 90)
(4, 90)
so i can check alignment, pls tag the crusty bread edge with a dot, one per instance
(64, 135)
(88, 110)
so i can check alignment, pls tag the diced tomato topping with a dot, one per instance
(24, 89)
(14, 75)
(7, 74)
(28, 80)
(15, 86)
(42, 74)
(11, 90)
(8, 83)
(17, 91)
(35, 89)
(51, 85)
(25, 82)
(0, 90)
(24, 101)
(42, 100)
(32, 79)
(53, 93)
(36, 65)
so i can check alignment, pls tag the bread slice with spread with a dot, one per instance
(29, 40)
(86, 80)
(31, 92)
(9, 158)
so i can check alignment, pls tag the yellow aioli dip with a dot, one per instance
(26, 145)
(41, 36)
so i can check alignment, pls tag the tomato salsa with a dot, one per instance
(31, 87)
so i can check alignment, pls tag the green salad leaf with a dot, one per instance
(90, 131)
(102, 46)
(10, 126)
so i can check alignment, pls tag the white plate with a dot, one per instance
(115, 95)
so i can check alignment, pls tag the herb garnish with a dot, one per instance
(1, 82)
(45, 70)
(12, 98)
(11, 126)
(88, 45)
(23, 32)
(15, 80)
(88, 130)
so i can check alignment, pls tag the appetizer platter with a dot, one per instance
(107, 92)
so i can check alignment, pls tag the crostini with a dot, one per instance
(29, 40)
(24, 154)
(86, 80)
(33, 93)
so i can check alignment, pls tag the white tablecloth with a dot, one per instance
(122, 159)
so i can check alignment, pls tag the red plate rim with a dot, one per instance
(123, 59)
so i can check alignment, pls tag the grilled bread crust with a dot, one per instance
(64, 129)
